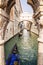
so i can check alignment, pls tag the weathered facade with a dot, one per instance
(8, 16)
(37, 6)
(12, 27)
(17, 12)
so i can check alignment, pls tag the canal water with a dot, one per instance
(27, 46)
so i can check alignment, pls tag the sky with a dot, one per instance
(26, 7)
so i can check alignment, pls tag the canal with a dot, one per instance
(27, 46)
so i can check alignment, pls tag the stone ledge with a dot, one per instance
(1, 42)
(12, 36)
(40, 40)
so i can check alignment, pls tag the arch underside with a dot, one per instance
(10, 3)
(33, 3)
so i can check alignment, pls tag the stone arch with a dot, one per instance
(33, 4)
(8, 8)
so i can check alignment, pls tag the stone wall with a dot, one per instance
(12, 27)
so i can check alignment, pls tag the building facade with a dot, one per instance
(9, 20)
(12, 27)
(37, 6)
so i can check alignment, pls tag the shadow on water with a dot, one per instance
(32, 62)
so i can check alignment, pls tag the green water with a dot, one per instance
(27, 46)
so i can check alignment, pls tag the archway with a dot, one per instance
(35, 7)
(25, 60)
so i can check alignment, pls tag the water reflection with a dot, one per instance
(25, 38)
(28, 48)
